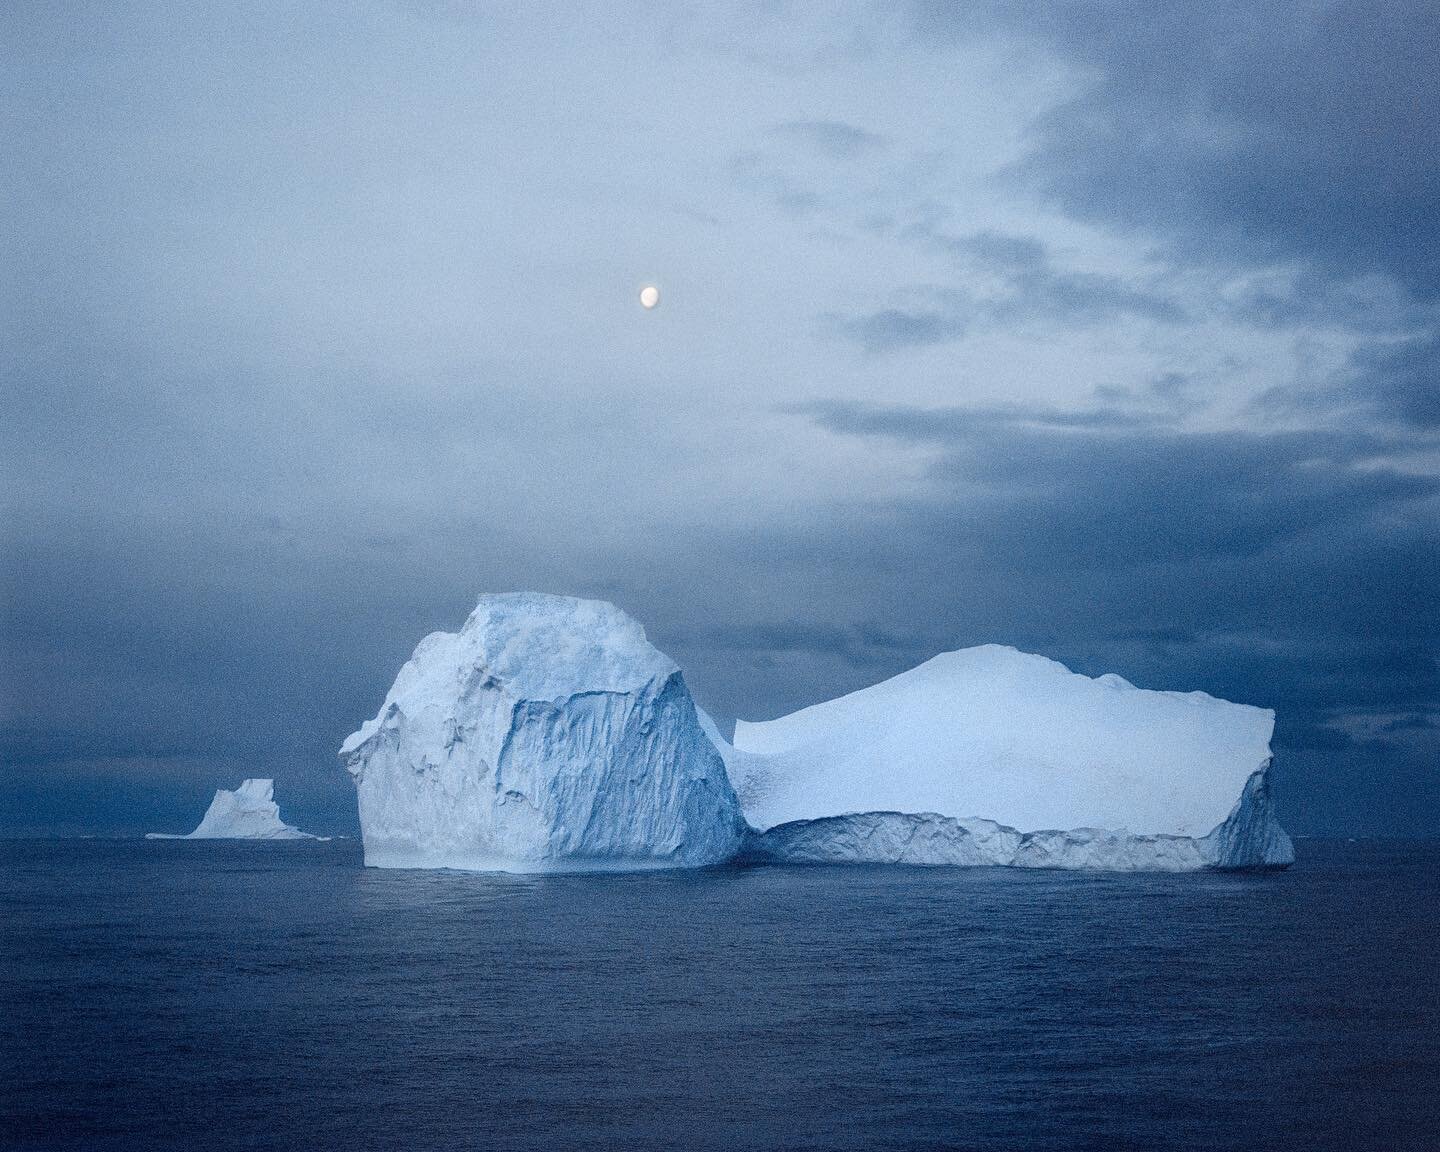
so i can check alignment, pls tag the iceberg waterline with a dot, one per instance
(1249, 838)
(549, 734)
(247, 813)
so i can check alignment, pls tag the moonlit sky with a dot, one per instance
(1105, 331)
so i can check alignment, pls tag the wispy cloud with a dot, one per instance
(891, 329)
(833, 138)
(953, 424)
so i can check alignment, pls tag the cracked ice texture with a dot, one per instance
(993, 756)
(547, 734)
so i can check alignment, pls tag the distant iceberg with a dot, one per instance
(547, 734)
(247, 813)
(993, 756)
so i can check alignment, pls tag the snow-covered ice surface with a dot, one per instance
(248, 813)
(993, 756)
(547, 734)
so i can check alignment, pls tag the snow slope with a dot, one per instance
(997, 756)
(248, 813)
(546, 734)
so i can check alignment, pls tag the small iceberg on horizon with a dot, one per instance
(247, 813)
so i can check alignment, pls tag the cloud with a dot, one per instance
(1394, 383)
(1240, 131)
(862, 644)
(1033, 288)
(1402, 379)
(1092, 488)
(891, 329)
(763, 175)
(951, 425)
(831, 137)
(1011, 281)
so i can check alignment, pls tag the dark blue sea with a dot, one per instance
(158, 995)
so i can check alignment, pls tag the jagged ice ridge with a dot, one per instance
(547, 734)
(247, 813)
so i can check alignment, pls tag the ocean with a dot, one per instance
(158, 995)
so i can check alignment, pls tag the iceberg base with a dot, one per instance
(1250, 838)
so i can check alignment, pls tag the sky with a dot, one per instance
(1105, 331)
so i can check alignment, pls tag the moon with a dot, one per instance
(649, 296)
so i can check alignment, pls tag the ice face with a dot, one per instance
(989, 755)
(1249, 838)
(247, 813)
(546, 734)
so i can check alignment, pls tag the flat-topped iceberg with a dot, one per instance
(247, 813)
(547, 734)
(993, 756)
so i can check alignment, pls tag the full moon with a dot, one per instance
(649, 296)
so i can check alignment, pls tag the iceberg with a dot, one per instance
(547, 734)
(993, 756)
(248, 813)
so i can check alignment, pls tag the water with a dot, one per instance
(217, 996)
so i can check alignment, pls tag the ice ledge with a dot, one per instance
(1250, 838)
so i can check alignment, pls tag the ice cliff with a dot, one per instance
(547, 734)
(248, 813)
(993, 756)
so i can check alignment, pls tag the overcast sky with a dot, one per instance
(1105, 331)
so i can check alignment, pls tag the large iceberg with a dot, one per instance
(547, 734)
(248, 813)
(993, 756)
